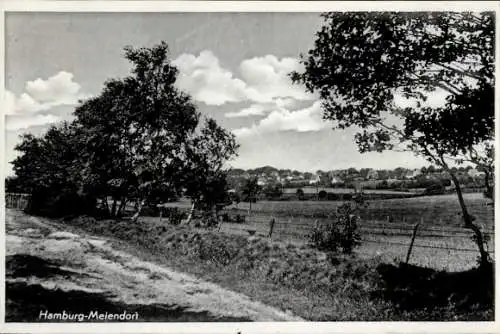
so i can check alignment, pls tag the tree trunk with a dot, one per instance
(485, 259)
(105, 204)
(139, 209)
(123, 202)
(113, 208)
(215, 215)
(191, 213)
(489, 190)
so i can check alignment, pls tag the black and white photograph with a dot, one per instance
(227, 166)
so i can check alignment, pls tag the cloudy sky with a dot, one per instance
(234, 65)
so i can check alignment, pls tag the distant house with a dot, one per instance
(261, 181)
(276, 176)
(336, 180)
(297, 181)
(411, 174)
(372, 175)
(392, 181)
(315, 179)
(475, 173)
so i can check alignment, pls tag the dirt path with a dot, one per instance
(50, 269)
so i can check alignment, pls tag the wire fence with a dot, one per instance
(436, 233)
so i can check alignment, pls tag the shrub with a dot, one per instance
(208, 219)
(322, 195)
(349, 236)
(175, 216)
(342, 234)
(300, 194)
(225, 217)
(239, 219)
(215, 249)
(60, 203)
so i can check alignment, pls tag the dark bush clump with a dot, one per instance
(174, 215)
(342, 234)
(60, 203)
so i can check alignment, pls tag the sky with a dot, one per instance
(234, 65)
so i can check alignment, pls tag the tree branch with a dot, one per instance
(420, 79)
(459, 71)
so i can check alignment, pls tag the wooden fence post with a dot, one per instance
(271, 226)
(411, 243)
(485, 236)
(383, 225)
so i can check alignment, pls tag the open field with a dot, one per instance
(386, 227)
(445, 249)
(441, 210)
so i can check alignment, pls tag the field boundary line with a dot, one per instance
(424, 246)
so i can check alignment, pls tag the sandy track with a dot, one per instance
(99, 268)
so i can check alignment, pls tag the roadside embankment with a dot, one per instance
(302, 280)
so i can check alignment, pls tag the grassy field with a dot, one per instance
(386, 227)
(442, 210)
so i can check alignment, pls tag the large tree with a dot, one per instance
(137, 131)
(380, 73)
(140, 139)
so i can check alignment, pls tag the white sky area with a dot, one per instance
(234, 65)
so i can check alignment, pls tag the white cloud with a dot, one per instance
(285, 103)
(263, 79)
(60, 89)
(205, 80)
(42, 95)
(307, 119)
(253, 110)
(21, 122)
(268, 78)
(261, 109)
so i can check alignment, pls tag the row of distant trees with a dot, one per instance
(140, 141)
(396, 173)
(395, 178)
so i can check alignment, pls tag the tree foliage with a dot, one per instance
(250, 190)
(362, 61)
